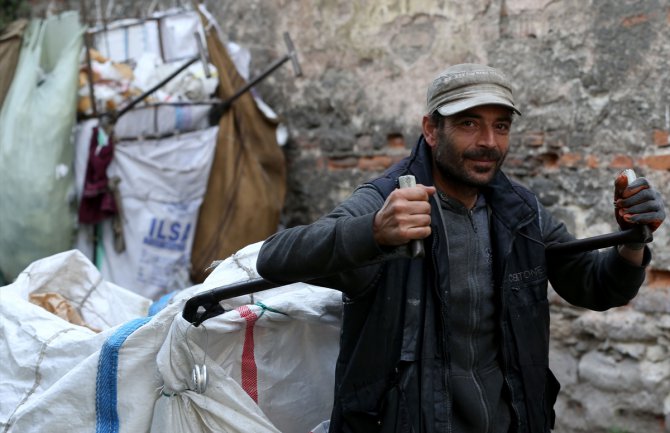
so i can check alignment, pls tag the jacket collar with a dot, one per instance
(507, 202)
(421, 163)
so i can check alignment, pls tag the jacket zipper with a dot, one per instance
(475, 374)
(443, 325)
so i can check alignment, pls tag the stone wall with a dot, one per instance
(591, 79)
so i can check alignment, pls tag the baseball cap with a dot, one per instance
(461, 87)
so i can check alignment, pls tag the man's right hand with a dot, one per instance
(404, 216)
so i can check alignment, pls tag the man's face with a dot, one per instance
(471, 147)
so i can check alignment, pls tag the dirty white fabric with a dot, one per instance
(48, 365)
(162, 186)
(270, 365)
(276, 362)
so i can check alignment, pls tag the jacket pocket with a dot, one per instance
(530, 327)
(361, 408)
(379, 407)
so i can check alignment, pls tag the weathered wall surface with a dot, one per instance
(591, 79)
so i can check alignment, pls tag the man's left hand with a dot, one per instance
(639, 203)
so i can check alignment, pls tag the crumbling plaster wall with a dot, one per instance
(591, 79)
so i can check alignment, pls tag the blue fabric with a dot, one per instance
(107, 418)
(161, 303)
(179, 118)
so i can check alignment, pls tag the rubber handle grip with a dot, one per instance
(416, 245)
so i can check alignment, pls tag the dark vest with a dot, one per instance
(391, 374)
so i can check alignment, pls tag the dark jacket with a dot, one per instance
(391, 374)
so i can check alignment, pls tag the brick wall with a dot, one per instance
(591, 79)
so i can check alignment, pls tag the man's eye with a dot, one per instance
(502, 127)
(468, 123)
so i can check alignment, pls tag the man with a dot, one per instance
(457, 341)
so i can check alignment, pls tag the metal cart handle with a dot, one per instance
(206, 304)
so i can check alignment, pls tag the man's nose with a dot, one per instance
(487, 137)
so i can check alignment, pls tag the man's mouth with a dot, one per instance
(484, 161)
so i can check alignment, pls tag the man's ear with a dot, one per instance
(429, 131)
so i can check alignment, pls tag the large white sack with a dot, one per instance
(294, 354)
(101, 303)
(42, 351)
(135, 377)
(279, 356)
(162, 185)
(114, 389)
(241, 266)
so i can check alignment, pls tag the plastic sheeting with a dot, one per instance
(270, 364)
(37, 216)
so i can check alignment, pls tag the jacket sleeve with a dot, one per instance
(597, 280)
(336, 251)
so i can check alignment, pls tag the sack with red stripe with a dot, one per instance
(269, 366)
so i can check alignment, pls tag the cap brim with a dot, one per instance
(467, 103)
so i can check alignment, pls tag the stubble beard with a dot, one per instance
(451, 165)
